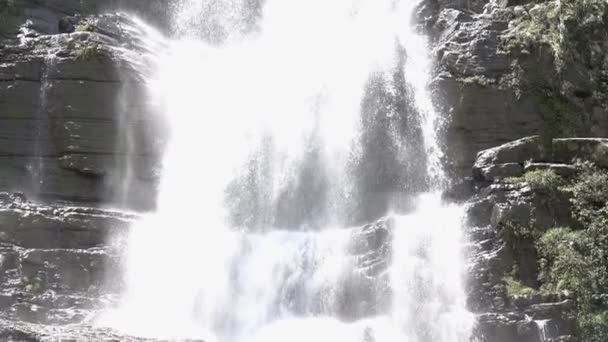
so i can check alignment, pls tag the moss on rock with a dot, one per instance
(10, 10)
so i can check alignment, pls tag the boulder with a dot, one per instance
(507, 156)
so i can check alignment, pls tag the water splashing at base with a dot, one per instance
(286, 120)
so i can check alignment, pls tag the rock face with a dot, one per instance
(506, 216)
(29, 332)
(58, 262)
(500, 76)
(526, 154)
(73, 119)
(49, 16)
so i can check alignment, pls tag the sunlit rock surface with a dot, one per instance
(74, 121)
(59, 263)
(501, 76)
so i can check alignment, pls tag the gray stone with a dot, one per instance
(31, 332)
(593, 149)
(64, 120)
(496, 172)
(518, 151)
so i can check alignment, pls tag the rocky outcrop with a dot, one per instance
(26, 18)
(501, 77)
(514, 158)
(516, 202)
(30, 332)
(59, 263)
(74, 120)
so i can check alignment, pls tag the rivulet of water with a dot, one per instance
(288, 121)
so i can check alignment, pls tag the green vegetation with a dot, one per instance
(594, 326)
(590, 196)
(540, 180)
(563, 265)
(479, 80)
(32, 286)
(575, 260)
(84, 26)
(9, 11)
(515, 288)
(571, 35)
(86, 51)
(565, 26)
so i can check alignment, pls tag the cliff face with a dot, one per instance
(74, 121)
(507, 69)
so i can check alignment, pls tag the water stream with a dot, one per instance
(291, 124)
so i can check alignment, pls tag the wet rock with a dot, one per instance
(59, 263)
(496, 328)
(28, 332)
(366, 291)
(69, 102)
(32, 226)
(68, 24)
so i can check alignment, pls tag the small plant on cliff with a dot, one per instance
(479, 80)
(84, 26)
(566, 26)
(541, 180)
(32, 286)
(515, 288)
(86, 51)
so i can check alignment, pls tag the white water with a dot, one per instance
(542, 329)
(246, 117)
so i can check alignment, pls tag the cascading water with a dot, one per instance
(287, 120)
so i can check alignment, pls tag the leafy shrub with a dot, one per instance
(594, 326)
(84, 26)
(515, 288)
(542, 180)
(578, 260)
(479, 80)
(563, 263)
(567, 26)
(590, 195)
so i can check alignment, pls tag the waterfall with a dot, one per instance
(542, 329)
(41, 150)
(290, 125)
